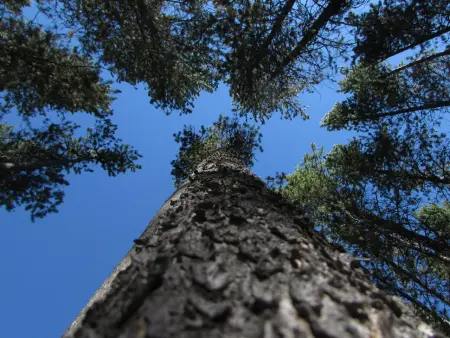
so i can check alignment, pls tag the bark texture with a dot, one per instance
(226, 257)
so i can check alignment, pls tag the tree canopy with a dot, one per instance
(267, 52)
(391, 27)
(44, 82)
(387, 189)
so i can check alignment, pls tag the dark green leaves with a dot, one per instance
(415, 95)
(276, 50)
(35, 161)
(392, 179)
(391, 27)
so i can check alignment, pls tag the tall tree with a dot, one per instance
(43, 82)
(407, 99)
(411, 97)
(227, 257)
(399, 162)
(407, 243)
(400, 109)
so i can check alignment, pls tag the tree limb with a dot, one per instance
(421, 60)
(333, 8)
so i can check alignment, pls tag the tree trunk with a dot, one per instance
(226, 257)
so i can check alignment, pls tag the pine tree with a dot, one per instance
(44, 81)
(227, 257)
(407, 243)
(398, 164)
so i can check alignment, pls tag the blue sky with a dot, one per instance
(53, 266)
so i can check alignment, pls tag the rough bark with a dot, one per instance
(226, 257)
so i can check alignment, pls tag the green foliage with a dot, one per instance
(436, 217)
(276, 50)
(399, 111)
(408, 243)
(40, 74)
(414, 96)
(164, 44)
(44, 81)
(13, 6)
(419, 163)
(268, 52)
(391, 201)
(270, 61)
(393, 26)
(33, 162)
(240, 139)
(310, 184)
